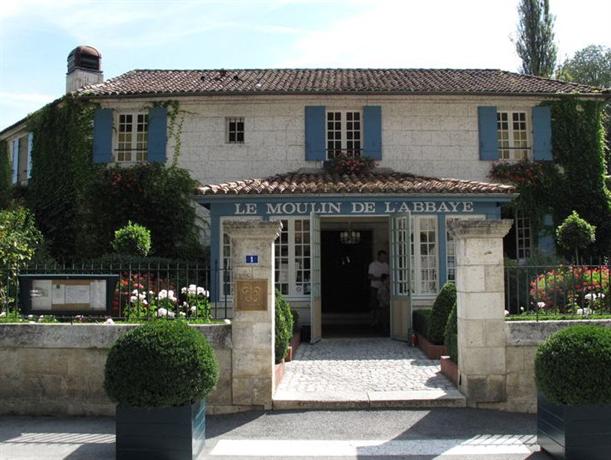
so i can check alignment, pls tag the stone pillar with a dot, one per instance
(252, 262)
(481, 308)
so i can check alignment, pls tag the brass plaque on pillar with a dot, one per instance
(251, 295)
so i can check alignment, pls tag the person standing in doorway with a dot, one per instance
(377, 268)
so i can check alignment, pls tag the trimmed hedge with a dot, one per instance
(160, 364)
(133, 240)
(441, 310)
(422, 321)
(451, 334)
(284, 327)
(573, 366)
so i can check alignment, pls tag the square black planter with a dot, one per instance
(168, 433)
(574, 432)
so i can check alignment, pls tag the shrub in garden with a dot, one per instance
(160, 364)
(133, 240)
(441, 309)
(451, 334)
(573, 366)
(295, 315)
(284, 327)
(422, 321)
(575, 234)
(568, 287)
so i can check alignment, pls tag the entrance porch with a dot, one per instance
(363, 373)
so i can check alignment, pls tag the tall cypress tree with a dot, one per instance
(535, 44)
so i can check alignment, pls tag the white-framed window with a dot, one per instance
(512, 135)
(425, 270)
(523, 236)
(292, 271)
(234, 130)
(132, 137)
(344, 133)
(451, 245)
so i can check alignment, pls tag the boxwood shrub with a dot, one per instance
(422, 321)
(451, 334)
(441, 310)
(284, 327)
(573, 366)
(160, 364)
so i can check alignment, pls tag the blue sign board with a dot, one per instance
(252, 259)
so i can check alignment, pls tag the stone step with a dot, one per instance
(285, 400)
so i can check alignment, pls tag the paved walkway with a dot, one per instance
(363, 372)
(451, 434)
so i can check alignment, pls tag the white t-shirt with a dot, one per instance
(377, 269)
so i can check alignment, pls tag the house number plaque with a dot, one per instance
(251, 295)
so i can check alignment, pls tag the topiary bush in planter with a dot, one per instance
(573, 372)
(159, 374)
(441, 310)
(422, 321)
(451, 334)
(132, 240)
(284, 327)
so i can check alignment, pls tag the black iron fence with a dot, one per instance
(582, 290)
(185, 289)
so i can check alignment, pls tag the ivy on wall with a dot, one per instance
(575, 181)
(5, 175)
(61, 171)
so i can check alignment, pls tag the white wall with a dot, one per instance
(426, 135)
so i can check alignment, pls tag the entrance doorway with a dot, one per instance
(345, 303)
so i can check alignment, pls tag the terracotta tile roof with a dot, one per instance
(332, 81)
(377, 181)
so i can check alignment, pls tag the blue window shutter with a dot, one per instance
(315, 133)
(488, 142)
(102, 136)
(372, 121)
(542, 132)
(30, 142)
(157, 134)
(15, 161)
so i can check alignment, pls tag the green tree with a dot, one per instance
(535, 44)
(5, 176)
(590, 66)
(575, 233)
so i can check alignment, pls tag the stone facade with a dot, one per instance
(58, 369)
(426, 135)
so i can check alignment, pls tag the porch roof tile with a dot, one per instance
(376, 181)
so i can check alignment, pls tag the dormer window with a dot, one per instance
(132, 137)
(344, 133)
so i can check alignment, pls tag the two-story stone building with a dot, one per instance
(257, 140)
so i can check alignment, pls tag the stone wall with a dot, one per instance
(428, 135)
(522, 339)
(58, 369)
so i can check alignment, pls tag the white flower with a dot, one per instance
(133, 299)
(182, 314)
(142, 296)
(590, 296)
(227, 321)
(541, 304)
(192, 289)
(163, 294)
(30, 316)
(193, 309)
(584, 311)
(41, 318)
(135, 292)
(201, 290)
(3, 314)
(183, 290)
(151, 293)
(506, 313)
(162, 313)
(521, 308)
(109, 321)
(171, 314)
(144, 302)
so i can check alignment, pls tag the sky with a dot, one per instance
(37, 35)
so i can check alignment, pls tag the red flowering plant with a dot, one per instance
(571, 289)
(349, 164)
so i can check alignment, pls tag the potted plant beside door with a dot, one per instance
(159, 374)
(573, 375)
